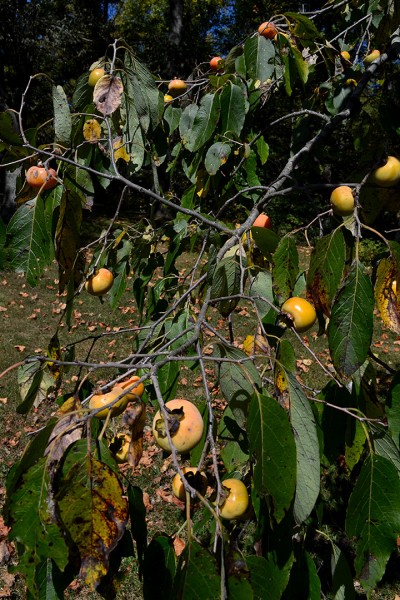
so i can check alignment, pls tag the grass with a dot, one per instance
(29, 318)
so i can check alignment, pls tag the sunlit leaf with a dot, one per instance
(216, 157)
(94, 512)
(233, 109)
(285, 268)
(204, 123)
(92, 131)
(107, 94)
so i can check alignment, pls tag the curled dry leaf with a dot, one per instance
(107, 94)
(66, 431)
(134, 417)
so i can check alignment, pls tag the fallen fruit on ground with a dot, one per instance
(122, 442)
(237, 501)
(177, 87)
(195, 478)
(132, 391)
(39, 176)
(342, 201)
(185, 426)
(216, 63)
(372, 56)
(302, 312)
(95, 75)
(388, 175)
(100, 283)
(103, 400)
(267, 30)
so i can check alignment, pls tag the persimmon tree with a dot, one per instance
(321, 466)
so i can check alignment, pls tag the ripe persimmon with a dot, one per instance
(267, 30)
(186, 426)
(132, 391)
(263, 220)
(216, 63)
(342, 201)
(177, 87)
(237, 501)
(39, 176)
(100, 283)
(302, 312)
(196, 479)
(388, 175)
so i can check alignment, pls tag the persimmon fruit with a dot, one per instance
(186, 426)
(104, 400)
(237, 501)
(95, 75)
(39, 176)
(388, 175)
(345, 54)
(122, 442)
(176, 87)
(267, 30)
(263, 220)
(100, 282)
(132, 391)
(342, 201)
(196, 478)
(302, 312)
(216, 63)
(168, 98)
(371, 57)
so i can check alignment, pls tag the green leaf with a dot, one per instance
(393, 410)
(142, 90)
(238, 381)
(285, 268)
(216, 157)
(307, 451)
(137, 513)
(384, 444)
(33, 524)
(233, 109)
(261, 287)
(68, 237)
(333, 421)
(94, 512)
(197, 575)
(272, 442)
(30, 377)
(304, 581)
(226, 282)
(342, 580)
(233, 442)
(28, 240)
(262, 149)
(259, 54)
(83, 94)
(304, 29)
(373, 518)
(204, 123)
(351, 322)
(266, 574)
(326, 270)
(266, 241)
(168, 376)
(62, 117)
(50, 582)
(301, 65)
(8, 132)
(159, 559)
(187, 120)
(172, 116)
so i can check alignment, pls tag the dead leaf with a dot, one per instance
(20, 348)
(179, 545)
(66, 431)
(135, 418)
(107, 94)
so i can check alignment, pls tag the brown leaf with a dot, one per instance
(107, 94)
(66, 431)
(135, 418)
(179, 545)
(20, 348)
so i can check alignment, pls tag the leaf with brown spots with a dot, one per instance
(93, 511)
(386, 295)
(107, 94)
(66, 431)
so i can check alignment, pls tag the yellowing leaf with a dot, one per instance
(107, 94)
(94, 511)
(92, 131)
(386, 294)
(120, 150)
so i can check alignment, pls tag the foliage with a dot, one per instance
(321, 465)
